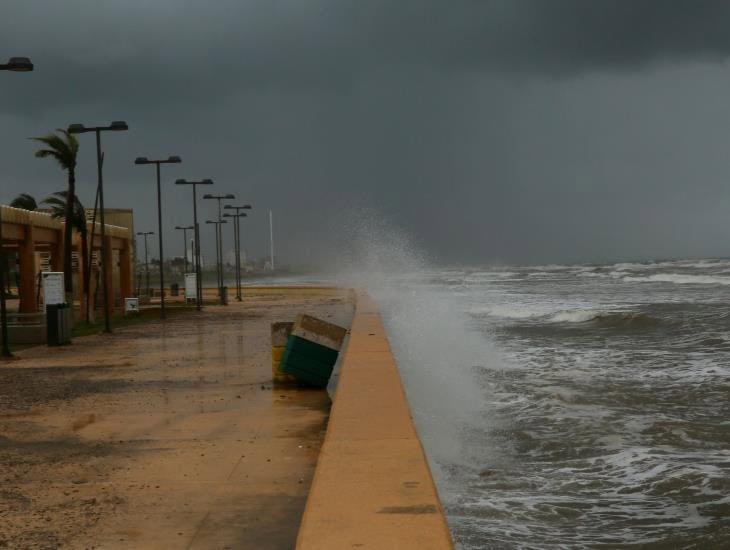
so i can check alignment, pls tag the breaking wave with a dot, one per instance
(680, 279)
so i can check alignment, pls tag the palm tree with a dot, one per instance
(57, 203)
(63, 147)
(25, 202)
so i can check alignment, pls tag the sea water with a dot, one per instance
(571, 406)
(564, 406)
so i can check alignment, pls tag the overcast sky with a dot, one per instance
(510, 130)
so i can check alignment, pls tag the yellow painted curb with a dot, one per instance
(372, 487)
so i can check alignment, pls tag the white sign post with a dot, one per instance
(191, 287)
(131, 305)
(54, 292)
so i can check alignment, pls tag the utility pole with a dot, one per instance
(146, 263)
(271, 238)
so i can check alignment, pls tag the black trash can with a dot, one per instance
(174, 289)
(58, 324)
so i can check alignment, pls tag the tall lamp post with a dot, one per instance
(170, 160)
(219, 239)
(218, 252)
(146, 264)
(185, 244)
(115, 126)
(237, 238)
(18, 65)
(196, 234)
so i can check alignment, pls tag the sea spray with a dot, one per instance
(428, 329)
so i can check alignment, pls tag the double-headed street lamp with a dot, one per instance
(196, 234)
(185, 244)
(145, 234)
(218, 253)
(116, 126)
(219, 239)
(19, 65)
(170, 160)
(237, 240)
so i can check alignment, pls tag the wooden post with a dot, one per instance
(57, 253)
(26, 256)
(125, 271)
(109, 274)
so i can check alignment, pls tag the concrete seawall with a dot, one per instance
(372, 486)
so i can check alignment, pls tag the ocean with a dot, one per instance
(571, 406)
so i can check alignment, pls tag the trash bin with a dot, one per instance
(224, 295)
(58, 324)
(174, 289)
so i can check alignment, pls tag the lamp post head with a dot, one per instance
(207, 182)
(76, 129)
(118, 126)
(141, 160)
(228, 196)
(246, 207)
(207, 196)
(19, 65)
(174, 159)
(180, 181)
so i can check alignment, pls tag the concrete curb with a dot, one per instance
(372, 487)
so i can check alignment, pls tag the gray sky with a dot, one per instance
(511, 130)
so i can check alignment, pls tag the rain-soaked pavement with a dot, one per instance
(161, 435)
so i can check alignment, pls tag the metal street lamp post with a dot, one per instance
(219, 238)
(218, 253)
(237, 238)
(146, 264)
(115, 126)
(15, 64)
(196, 234)
(185, 244)
(170, 160)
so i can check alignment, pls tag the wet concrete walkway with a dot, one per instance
(162, 435)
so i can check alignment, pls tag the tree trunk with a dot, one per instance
(67, 232)
(85, 270)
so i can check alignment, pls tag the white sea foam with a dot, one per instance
(576, 316)
(511, 311)
(678, 278)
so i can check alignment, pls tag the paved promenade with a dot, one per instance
(162, 435)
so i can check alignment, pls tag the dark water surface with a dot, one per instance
(573, 406)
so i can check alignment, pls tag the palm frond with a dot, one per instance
(57, 204)
(24, 201)
(62, 147)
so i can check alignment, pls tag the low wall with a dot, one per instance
(372, 487)
(27, 334)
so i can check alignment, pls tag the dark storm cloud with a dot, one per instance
(485, 128)
(106, 51)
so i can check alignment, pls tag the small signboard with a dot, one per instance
(131, 305)
(54, 292)
(191, 287)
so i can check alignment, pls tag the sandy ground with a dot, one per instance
(161, 435)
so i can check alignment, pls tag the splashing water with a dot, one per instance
(562, 406)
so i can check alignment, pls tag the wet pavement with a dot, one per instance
(163, 435)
